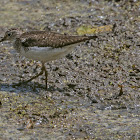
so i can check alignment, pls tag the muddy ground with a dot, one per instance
(94, 92)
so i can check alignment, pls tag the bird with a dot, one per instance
(43, 46)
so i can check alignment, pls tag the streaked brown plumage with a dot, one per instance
(55, 40)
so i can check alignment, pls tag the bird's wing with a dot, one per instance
(50, 39)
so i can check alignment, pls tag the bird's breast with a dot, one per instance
(45, 54)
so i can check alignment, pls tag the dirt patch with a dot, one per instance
(94, 92)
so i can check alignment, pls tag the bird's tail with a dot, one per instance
(91, 37)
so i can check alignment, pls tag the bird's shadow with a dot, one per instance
(33, 87)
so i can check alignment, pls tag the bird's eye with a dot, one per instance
(9, 34)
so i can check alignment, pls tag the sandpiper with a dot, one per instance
(42, 46)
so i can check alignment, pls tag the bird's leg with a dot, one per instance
(34, 77)
(46, 77)
(42, 70)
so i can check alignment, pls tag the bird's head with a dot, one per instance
(11, 34)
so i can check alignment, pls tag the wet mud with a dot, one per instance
(94, 92)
